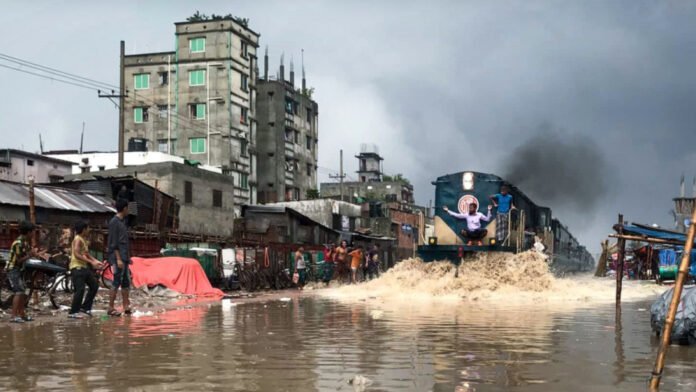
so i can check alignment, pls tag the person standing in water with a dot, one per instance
(118, 255)
(20, 252)
(340, 259)
(356, 260)
(503, 201)
(329, 254)
(82, 266)
(300, 268)
(473, 231)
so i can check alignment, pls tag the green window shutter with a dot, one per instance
(200, 111)
(197, 45)
(197, 78)
(142, 81)
(138, 115)
(197, 145)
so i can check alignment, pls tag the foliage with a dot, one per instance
(199, 17)
(396, 178)
(307, 92)
(312, 194)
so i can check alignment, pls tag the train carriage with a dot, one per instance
(528, 223)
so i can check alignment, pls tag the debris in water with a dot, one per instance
(360, 383)
(377, 314)
(286, 299)
(138, 313)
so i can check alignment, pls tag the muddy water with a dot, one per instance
(317, 344)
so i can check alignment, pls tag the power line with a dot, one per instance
(50, 78)
(58, 72)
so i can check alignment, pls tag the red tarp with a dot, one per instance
(180, 274)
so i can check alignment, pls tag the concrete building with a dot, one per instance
(206, 199)
(373, 184)
(20, 166)
(198, 101)
(288, 137)
(338, 215)
(97, 161)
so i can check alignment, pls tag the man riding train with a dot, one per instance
(473, 231)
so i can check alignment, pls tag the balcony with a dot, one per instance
(289, 149)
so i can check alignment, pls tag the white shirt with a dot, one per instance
(473, 222)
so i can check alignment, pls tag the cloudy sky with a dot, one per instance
(441, 87)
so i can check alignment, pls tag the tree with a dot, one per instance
(396, 178)
(197, 17)
(312, 194)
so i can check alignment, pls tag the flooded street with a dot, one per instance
(310, 343)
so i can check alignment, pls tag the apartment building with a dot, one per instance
(198, 101)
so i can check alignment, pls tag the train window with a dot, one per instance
(468, 181)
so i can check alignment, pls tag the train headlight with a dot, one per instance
(492, 241)
(432, 241)
(468, 181)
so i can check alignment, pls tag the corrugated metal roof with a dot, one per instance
(54, 198)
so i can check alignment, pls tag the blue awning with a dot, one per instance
(646, 231)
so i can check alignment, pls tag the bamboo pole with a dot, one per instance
(671, 313)
(32, 211)
(620, 261)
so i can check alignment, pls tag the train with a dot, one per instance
(530, 224)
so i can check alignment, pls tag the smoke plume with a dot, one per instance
(559, 170)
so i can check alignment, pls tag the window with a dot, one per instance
(297, 137)
(163, 78)
(309, 115)
(245, 49)
(162, 110)
(244, 180)
(217, 198)
(245, 82)
(197, 77)
(288, 135)
(142, 81)
(309, 142)
(244, 146)
(197, 111)
(163, 145)
(30, 162)
(197, 45)
(244, 118)
(309, 169)
(140, 115)
(288, 105)
(197, 145)
(188, 192)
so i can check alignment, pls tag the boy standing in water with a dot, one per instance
(503, 201)
(356, 260)
(300, 268)
(20, 252)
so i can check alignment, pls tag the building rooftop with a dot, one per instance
(50, 197)
(5, 151)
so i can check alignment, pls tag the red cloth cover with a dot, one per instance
(180, 274)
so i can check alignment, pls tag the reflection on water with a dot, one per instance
(312, 344)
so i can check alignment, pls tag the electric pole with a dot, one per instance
(341, 175)
(122, 94)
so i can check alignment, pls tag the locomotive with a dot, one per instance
(529, 224)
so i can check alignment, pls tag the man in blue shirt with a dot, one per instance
(118, 256)
(502, 201)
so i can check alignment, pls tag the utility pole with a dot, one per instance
(122, 94)
(341, 175)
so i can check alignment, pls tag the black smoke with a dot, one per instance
(558, 169)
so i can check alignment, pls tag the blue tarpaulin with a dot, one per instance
(645, 231)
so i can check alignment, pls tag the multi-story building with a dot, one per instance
(198, 101)
(21, 166)
(288, 137)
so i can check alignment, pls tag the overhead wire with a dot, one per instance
(92, 88)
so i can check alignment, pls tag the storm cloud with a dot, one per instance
(441, 86)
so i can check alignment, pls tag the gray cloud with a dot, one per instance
(440, 86)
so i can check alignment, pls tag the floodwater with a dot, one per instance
(311, 343)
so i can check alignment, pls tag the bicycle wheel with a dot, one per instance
(105, 282)
(59, 297)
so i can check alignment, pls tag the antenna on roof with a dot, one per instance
(304, 81)
(82, 137)
(40, 143)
